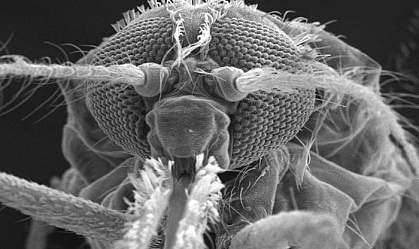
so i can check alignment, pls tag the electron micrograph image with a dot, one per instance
(209, 124)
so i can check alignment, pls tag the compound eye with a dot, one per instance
(225, 83)
(155, 79)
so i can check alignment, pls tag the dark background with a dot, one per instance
(30, 148)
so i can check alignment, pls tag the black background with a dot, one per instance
(31, 149)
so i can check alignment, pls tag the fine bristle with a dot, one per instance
(201, 208)
(133, 14)
(152, 190)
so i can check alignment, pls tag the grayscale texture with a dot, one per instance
(325, 163)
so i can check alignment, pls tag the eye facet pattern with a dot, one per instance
(263, 121)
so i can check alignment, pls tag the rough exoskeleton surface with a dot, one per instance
(310, 154)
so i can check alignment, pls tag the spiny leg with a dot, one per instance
(61, 210)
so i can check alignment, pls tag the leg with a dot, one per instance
(304, 230)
